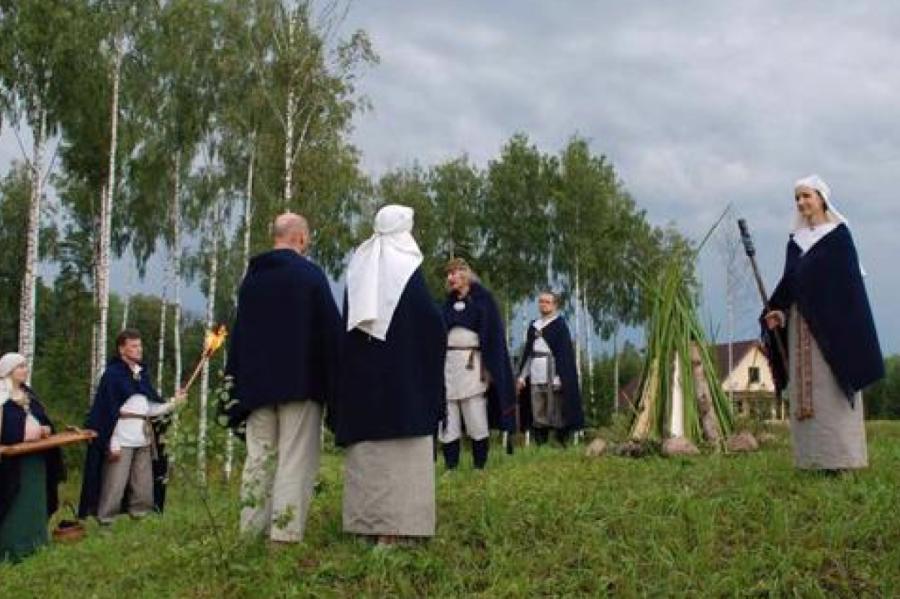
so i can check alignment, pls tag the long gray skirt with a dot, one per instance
(389, 488)
(835, 437)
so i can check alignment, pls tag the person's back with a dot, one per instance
(281, 339)
(401, 378)
(391, 385)
(282, 361)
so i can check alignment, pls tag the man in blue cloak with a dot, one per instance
(548, 380)
(478, 370)
(126, 467)
(283, 364)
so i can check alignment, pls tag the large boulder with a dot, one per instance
(678, 446)
(742, 443)
(596, 448)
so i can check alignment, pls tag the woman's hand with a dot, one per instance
(45, 432)
(775, 319)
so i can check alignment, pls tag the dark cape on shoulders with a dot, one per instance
(284, 342)
(117, 384)
(13, 431)
(559, 339)
(827, 286)
(394, 388)
(482, 316)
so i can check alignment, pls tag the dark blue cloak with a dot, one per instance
(284, 342)
(10, 468)
(117, 384)
(827, 286)
(394, 388)
(482, 316)
(557, 336)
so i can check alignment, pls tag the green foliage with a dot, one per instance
(544, 522)
(15, 193)
(882, 400)
(598, 386)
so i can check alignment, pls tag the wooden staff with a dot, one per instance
(750, 250)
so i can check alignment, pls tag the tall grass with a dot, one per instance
(544, 522)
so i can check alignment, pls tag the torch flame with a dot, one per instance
(215, 338)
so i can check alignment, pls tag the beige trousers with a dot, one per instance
(134, 471)
(283, 446)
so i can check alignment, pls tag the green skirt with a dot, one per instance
(24, 528)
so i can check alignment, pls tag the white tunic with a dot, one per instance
(463, 378)
(129, 432)
(538, 366)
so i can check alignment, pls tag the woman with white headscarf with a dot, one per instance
(28, 484)
(391, 390)
(821, 310)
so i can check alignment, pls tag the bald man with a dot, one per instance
(283, 360)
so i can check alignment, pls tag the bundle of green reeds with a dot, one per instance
(680, 394)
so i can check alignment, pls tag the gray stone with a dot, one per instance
(596, 448)
(679, 446)
(742, 443)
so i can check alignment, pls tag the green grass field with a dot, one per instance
(544, 522)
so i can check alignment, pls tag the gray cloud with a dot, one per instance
(697, 103)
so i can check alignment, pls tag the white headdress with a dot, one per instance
(379, 271)
(8, 363)
(804, 236)
(815, 182)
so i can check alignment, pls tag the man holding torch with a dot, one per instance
(123, 455)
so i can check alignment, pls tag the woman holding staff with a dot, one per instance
(832, 347)
(28, 483)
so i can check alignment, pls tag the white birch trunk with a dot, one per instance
(204, 374)
(577, 320)
(106, 217)
(289, 117)
(127, 307)
(588, 331)
(28, 299)
(616, 370)
(96, 364)
(161, 343)
(248, 207)
(176, 284)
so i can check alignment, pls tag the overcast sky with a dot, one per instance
(697, 104)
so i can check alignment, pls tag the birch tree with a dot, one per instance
(34, 38)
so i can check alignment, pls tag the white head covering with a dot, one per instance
(8, 363)
(815, 182)
(806, 237)
(379, 271)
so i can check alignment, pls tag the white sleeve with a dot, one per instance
(155, 408)
(115, 442)
(526, 369)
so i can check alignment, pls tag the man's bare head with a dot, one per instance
(291, 231)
